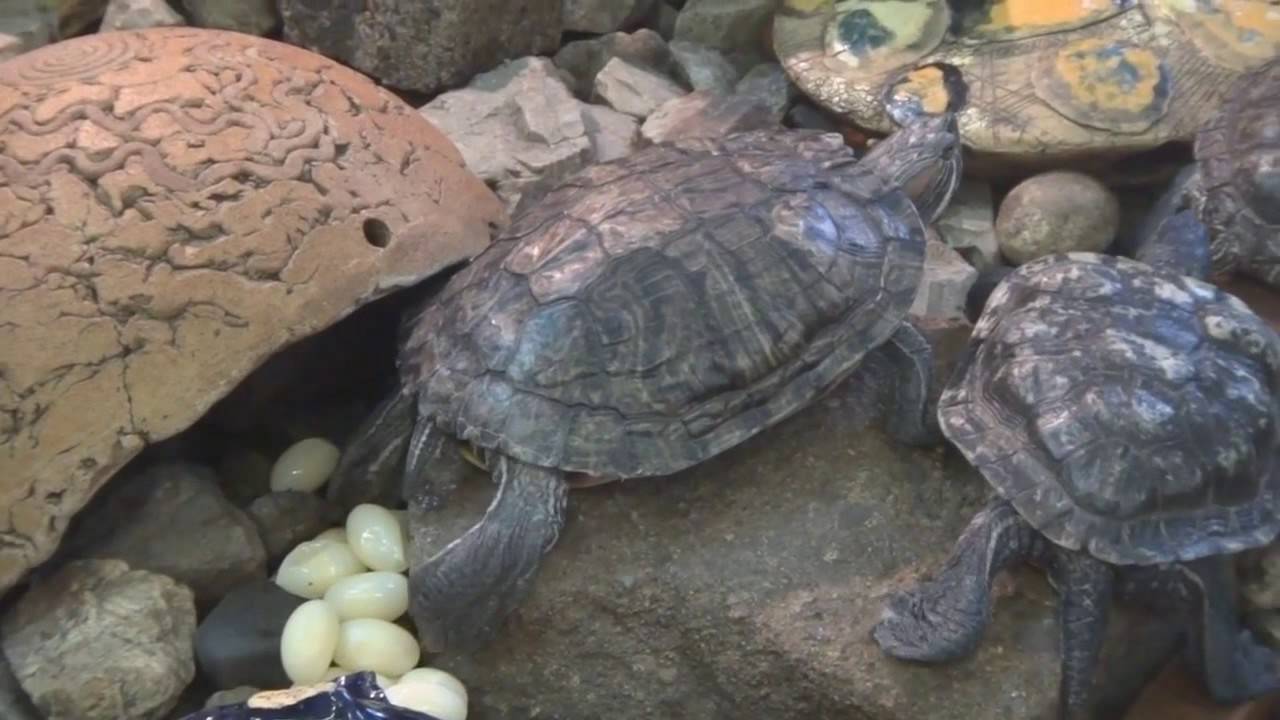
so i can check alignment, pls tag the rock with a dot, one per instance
(239, 642)
(424, 46)
(139, 14)
(285, 519)
(245, 475)
(1179, 695)
(804, 114)
(583, 59)
(603, 16)
(768, 82)
(725, 24)
(30, 23)
(75, 17)
(945, 286)
(310, 207)
(634, 90)
(172, 519)
(747, 587)
(968, 224)
(702, 68)
(10, 46)
(99, 641)
(14, 700)
(234, 696)
(255, 17)
(612, 134)
(1058, 211)
(705, 114)
(517, 127)
(663, 19)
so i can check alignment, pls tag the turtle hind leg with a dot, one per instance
(1235, 665)
(910, 418)
(463, 593)
(944, 618)
(1086, 585)
(372, 462)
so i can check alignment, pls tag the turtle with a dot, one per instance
(1224, 209)
(647, 314)
(1051, 81)
(1127, 417)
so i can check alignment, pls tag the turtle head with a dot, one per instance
(923, 159)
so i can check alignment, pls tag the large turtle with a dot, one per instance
(1050, 80)
(1128, 418)
(652, 312)
(1223, 212)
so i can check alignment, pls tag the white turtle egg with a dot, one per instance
(337, 534)
(379, 595)
(430, 698)
(375, 538)
(308, 642)
(311, 568)
(435, 676)
(305, 466)
(376, 645)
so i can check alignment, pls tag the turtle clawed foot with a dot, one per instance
(924, 625)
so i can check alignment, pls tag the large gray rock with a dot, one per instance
(706, 114)
(613, 134)
(968, 224)
(769, 83)
(171, 518)
(703, 68)
(285, 519)
(747, 587)
(603, 16)
(634, 90)
(17, 705)
(584, 59)
(239, 642)
(945, 286)
(731, 25)
(254, 17)
(423, 46)
(98, 641)
(139, 14)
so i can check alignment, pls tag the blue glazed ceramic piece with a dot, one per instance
(352, 697)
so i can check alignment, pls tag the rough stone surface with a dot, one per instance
(634, 90)
(167, 225)
(173, 519)
(725, 24)
(703, 68)
(516, 126)
(10, 46)
(768, 82)
(945, 285)
(285, 519)
(663, 19)
(255, 17)
(968, 224)
(747, 587)
(1057, 211)
(604, 16)
(139, 14)
(239, 642)
(245, 475)
(612, 134)
(424, 46)
(705, 114)
(583, 59)
(30, 24)
(98, 641)
(13, 699)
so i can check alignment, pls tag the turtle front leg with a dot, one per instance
(372, 463)
(911, 419)
(462, 594)
(944, 618)
(1085, 585)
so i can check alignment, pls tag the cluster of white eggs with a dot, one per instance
(354, 582)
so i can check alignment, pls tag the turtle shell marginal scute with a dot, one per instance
(1123, 411)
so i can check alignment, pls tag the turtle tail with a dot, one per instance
(944, 618)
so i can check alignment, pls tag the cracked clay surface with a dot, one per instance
(175, 205)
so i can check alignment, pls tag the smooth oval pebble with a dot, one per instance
(375, 537)
(429, 698)
(305, 466)
(435, 676)
(309, 641)
(311, 568)
(338, 534)
(376, 645)
(379, 595)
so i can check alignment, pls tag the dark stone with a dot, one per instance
(423, 46)
(239, 642)
(285, 519)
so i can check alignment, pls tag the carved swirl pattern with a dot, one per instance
(98, 54)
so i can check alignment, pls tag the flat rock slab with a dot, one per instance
(747, 587)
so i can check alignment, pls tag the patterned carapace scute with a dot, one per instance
(1238, 160)
(655, 310)
(1049, 80)
(175, 205)
(351, 697)
(1125, 411)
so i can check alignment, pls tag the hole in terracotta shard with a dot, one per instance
(377, 233)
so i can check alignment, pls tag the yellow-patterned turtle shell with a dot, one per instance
(1049, 80)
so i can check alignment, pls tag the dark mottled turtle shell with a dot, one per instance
(1238, 158)
(1124, 411)
(655, 310)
